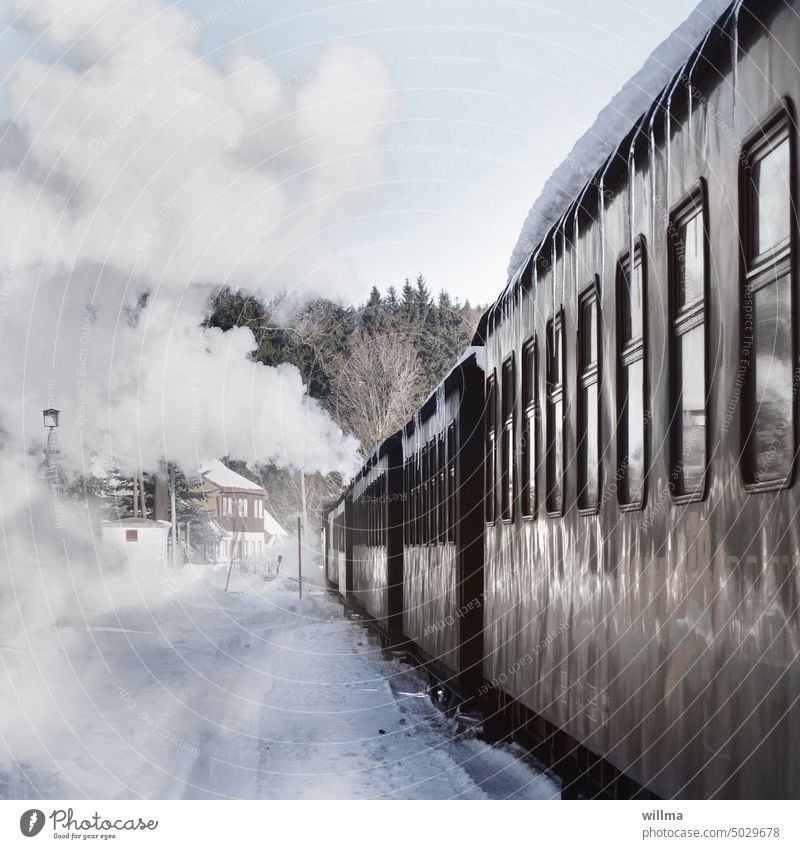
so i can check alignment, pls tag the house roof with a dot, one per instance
(218, 473)
(272, 527)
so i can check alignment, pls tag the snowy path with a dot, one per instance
(257, 695)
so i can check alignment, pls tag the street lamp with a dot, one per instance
(50, 418)
(51, 452)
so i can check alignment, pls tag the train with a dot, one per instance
(589, 532)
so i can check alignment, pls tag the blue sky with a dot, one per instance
(494, 93)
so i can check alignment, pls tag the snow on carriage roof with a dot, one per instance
(612, 124)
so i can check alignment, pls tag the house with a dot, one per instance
(236, 507)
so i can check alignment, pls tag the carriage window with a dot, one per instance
(418, 498)
(491, 424)
(688, 358)
(588, 401)
(770, 197)
(631, 282)
(555, 414)
(431, 506)
(441, 498)
(430, 477)
(424, 500)
(530, 418)
(767, 311)
(451, 484)
(404, 503)
(507, 470)
(415, 475)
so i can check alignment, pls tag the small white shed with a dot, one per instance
(138, 538)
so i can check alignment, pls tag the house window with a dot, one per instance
(243, 507)
(631, 459)
(555, 414)
(767, 311)
(491, 424)
(530, 419)
(507, 471)
(588, 400)
(131, 535)
(688, 269)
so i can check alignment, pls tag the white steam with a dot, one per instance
(145, 168)
(135, 179)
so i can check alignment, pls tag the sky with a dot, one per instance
(489, 97)
(152, 153)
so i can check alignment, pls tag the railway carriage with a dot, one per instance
(640, 596)
(338, 545)
(443, 527)
(377, 544)
(642, 534)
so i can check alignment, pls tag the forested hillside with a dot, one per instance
(370, 365)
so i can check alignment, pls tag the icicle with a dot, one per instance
(603, 224)
(576, 224)
(735, 52)
(651, 161)
(564, 259)
(668, 130)
(631, 202)
(440, 406)
(689, 82)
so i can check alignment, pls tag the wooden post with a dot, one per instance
(141, 495)
(233, 554)
(174, 516)
(299, 558)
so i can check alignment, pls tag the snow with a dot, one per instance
(610, 127)
(217, 472)
(250, 694)
(272, 527)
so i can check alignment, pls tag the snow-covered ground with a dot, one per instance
(250, 694)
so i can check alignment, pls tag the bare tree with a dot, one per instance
(377, 386)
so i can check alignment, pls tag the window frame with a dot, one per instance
(626, 356)
(552, 398)
(490, 452)
(508, 442)
(758, 272)
(531, 413)
(682, 320)
(588, 376)
(452, 483)
(441, 489)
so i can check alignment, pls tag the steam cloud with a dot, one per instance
(136, 177)
(134, 165)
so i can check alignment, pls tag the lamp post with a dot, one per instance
(50, 417)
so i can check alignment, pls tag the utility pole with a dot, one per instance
(299, 558)
(303, 500)
(233, 554)
(173, 531)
